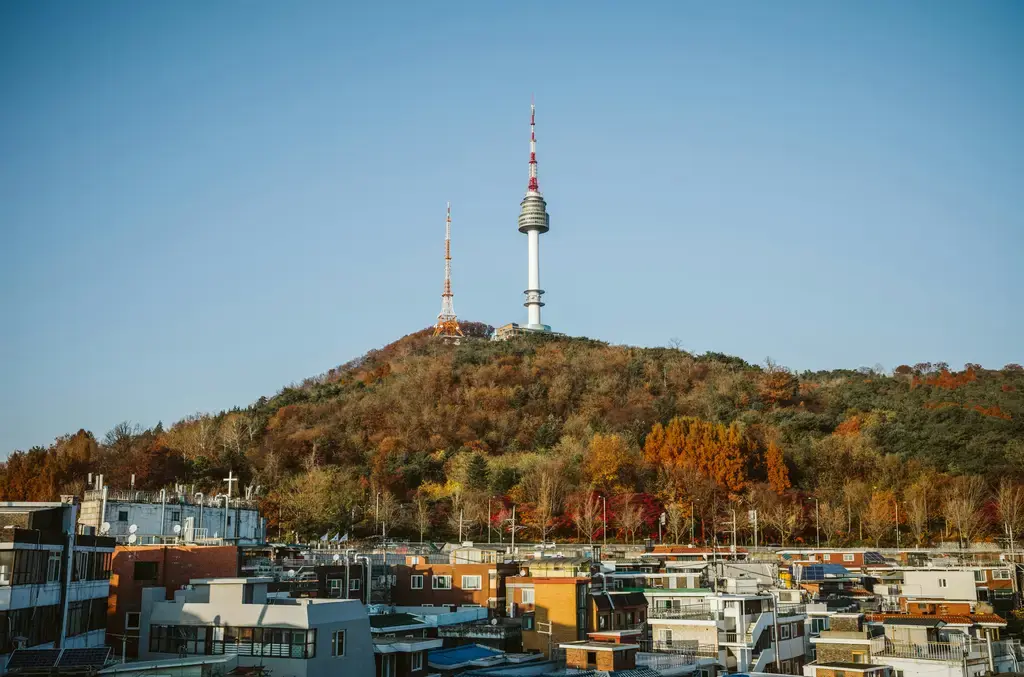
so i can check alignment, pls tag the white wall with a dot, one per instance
(147, 517)
(958, 584)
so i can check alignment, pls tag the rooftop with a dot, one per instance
(379, 621)
(948, 619)
(858, 667)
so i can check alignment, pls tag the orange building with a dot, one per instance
(419, 583)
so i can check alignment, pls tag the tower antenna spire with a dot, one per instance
(447, 324)
(532, 185)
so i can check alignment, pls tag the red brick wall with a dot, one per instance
(404, 595)
(176, 566)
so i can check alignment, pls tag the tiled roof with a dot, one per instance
(949, 619)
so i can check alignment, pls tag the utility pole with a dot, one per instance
(376, 512)
(513, 531)
(817, 525)
(693, 525)
(604, 508)
(488, 520)
(461, 512)
(734, 530)
(897, 526)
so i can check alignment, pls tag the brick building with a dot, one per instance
(169, 566)
(419, 583)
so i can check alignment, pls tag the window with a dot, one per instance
(783, 632)
(1001, 574)
(847, 556)
(334, 586)
(417, 661)
(53, 567)
(528, 622)
(979, 575)
(826, 557)
(353, 584)
(131, 620)
(6, 569)
(426, 605)
(229, 520)
(472, 583)
(145, 571)
(942, 582)
(175, 515)
(338, 643)
(441, 582)
(527, 595)
(122, 515)
(416, 582)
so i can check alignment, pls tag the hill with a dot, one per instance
(421, 431)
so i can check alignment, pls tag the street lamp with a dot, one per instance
(817, 525)
(897, 526)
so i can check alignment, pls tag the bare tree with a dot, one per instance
(963, 508)
(629, 517)
(857, 495)
(586, 513)
(832, 519)
(421, 509)
(232, 434)
(678, 518)
(1010, 502)
(389, 512)
(786, 517)
(879, 516)
(916, 508)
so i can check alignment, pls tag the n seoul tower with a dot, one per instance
(533, 220)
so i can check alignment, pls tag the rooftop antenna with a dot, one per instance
(447, 325)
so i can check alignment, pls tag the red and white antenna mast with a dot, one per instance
(447, 325)
(532, 185)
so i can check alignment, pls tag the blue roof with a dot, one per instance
(819, 572)
(461, 654)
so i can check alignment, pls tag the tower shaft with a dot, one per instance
(533, 220)
(447, 324)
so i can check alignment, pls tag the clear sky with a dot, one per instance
(202, 202)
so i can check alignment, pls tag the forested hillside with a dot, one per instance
(422, 432)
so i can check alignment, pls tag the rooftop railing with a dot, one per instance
(680, 654)
(479, 630)
(930, 651)
(692, 612)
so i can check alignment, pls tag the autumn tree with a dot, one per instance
(320, 501)
(778, 385)
(879, 516)
(778, 473)
(712, 449)
(606, 459)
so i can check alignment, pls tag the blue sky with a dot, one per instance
(202, 202)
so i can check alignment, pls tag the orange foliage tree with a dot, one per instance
(604, 461)
(712, 449)
(778, 473)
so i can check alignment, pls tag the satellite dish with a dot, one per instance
(105, 528)
(291, 573)
(494, 621)
(132, 538)
(177, 528)
(133, 528)
(336, 558)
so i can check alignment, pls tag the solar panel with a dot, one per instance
(874, 558)
(84, 659)
(33, 659)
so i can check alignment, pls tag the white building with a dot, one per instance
(53, 583)
(743, 629)
(949, 584)
(300, 637)
(170, 516)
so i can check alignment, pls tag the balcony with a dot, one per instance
(743, 638)
(927, 651)
(792, 610)
(693, 613)
(480, 631)
(687, 653)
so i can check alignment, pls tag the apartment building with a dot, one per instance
(748, 632)
(222, 616)
(401, 642)
(419, 582)
(913, 645)
(851, 558)
(171, 516)
(169, 567)
(560, 613)
(53, 583)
